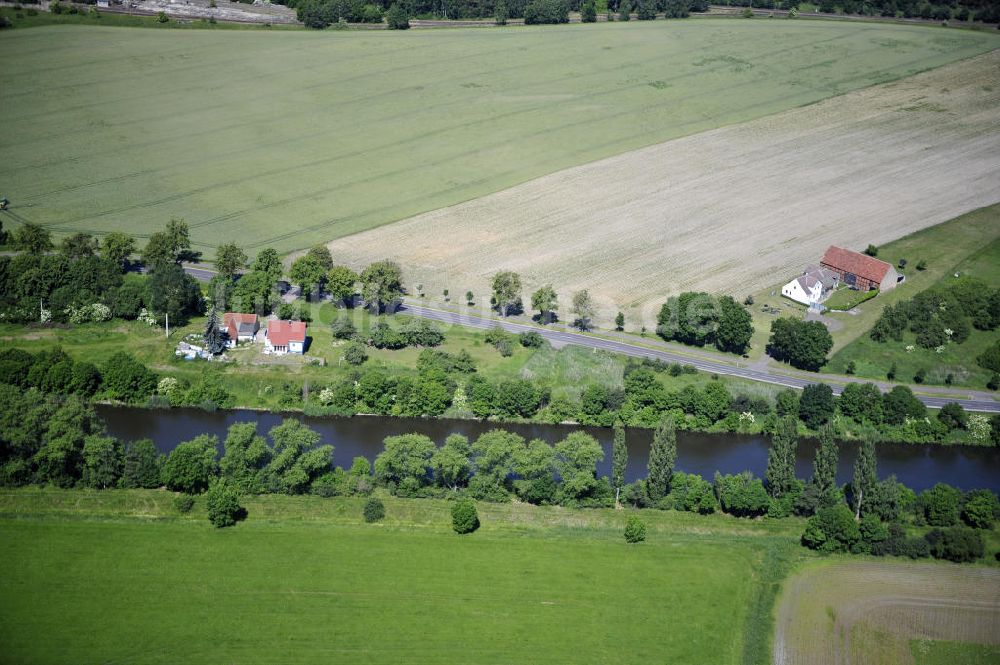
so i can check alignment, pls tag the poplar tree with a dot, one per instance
(825, 465)
(619, 459)
(780, 474)
(865, 472)
(662, 457)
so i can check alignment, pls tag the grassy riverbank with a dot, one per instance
(304, 579)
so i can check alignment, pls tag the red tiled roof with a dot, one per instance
(282, 332)
(231, 321)
(859, 264)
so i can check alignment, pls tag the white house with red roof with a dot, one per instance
(241, 327)
(285, 337)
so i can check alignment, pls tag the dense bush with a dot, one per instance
(223, 502)
(464, 517)
(959, 544)
(374, 510)
(184, 503)
(635, 530)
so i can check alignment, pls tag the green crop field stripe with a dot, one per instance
(421, 137)
(333, 222)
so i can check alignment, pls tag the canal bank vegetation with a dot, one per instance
(61, 442)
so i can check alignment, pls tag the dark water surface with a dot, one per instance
(916, 466)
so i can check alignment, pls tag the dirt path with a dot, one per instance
(731, 210)
(841, 613)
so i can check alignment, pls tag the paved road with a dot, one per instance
(981, 402)
(563, 337)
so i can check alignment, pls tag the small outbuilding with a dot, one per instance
(241, 327)
(860, 271)
(285, 337)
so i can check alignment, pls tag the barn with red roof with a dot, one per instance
(859, 270)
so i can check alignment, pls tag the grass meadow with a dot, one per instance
(290, 138)
(119, 576)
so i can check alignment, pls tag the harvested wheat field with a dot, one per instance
(880, 612)
(731, 210)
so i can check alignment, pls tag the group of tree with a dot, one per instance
(802, 344)
(699, 319)
(938, 10)
(121, 377)
(323, 13)
(941, 315)
(84, 280)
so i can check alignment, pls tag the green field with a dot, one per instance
(933, 652)
(119, 577)
(292, 138)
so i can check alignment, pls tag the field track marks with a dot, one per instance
(823, 607)
(714, 211)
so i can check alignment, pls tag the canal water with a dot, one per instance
(916, 466)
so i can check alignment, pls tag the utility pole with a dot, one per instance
(167, 319)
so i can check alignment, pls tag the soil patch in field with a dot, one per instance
(871, 611)
(731, 210)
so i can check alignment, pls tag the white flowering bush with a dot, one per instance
(979, 427)
(326, 396)
(909, 348)
(45, 315)
(100, 312)
(939, 349)
(747, 416)
(949, 332)
(167, 386)
(145, 316)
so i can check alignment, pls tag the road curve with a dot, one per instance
(565, 337)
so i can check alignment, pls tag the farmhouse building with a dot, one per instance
(859, 270)
(285, 337)
(241, 327)
(812, 287)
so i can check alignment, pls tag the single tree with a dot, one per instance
(381, 285)
(118, 248)
(501, 13)
(780, 474)
(469, 298)
(584, 308)
(588, 12)
(635, 530)
(824, 475)
(223, 503)
(309, 274)
(545, 300)
(620, 322)
(452, 462)
(321, 254)
(624, 10)
(662, 457)
(215, 337)
(341, 284)
(79, 246)
(865, 472)
(32, 238)
(374, 510)
(397, 18)
(464, 517)
(506, 291)
(230, 259)
(268, 263)
(619, 460)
